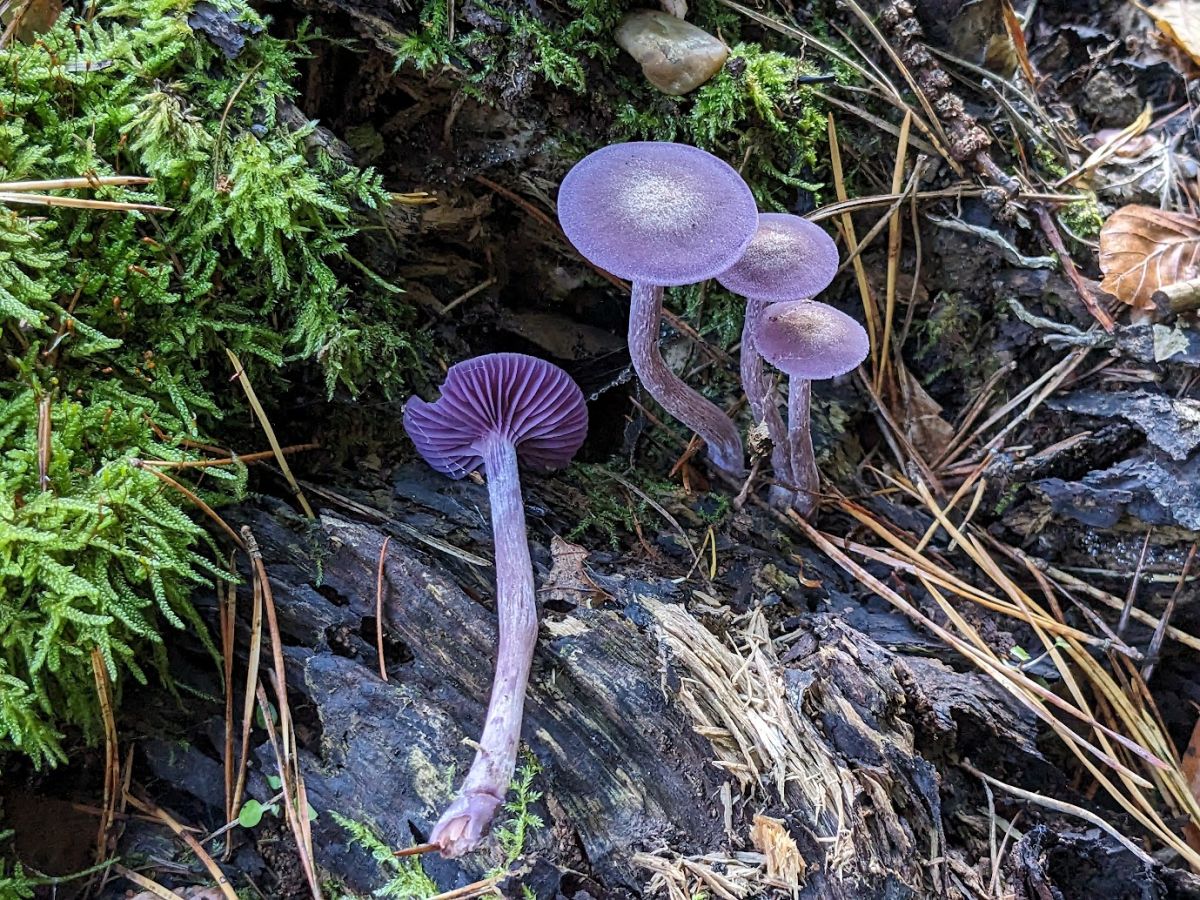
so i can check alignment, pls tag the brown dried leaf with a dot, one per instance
(568, 580)
(785, 865)
(1190, 767)
(924, 426)
(1143, 249)
(1179, 20)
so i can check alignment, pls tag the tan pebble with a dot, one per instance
(676, 56)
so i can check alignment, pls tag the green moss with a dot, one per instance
(113, 327)
(406, 876)
(14, 883)
(756, 109)
(1083, 218)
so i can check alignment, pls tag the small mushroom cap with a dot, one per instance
(788, 258)
(526, 400)
(655, 212)
(810, 340)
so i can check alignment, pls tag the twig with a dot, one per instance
(227, 461)
(1160, 631)
(379, 607)
(184, 835)
(1068, 809)
(191, 495)
(261, 414)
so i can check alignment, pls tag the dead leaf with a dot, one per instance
(568, 580)
(1143, 249)
(1179, 20)
(924, 426)
(1190, 766)
(31, 19)
(785, 865)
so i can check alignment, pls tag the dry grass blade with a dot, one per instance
(185, 835)
(1143, 249)
(1033, 396)
(1110, 147)
(1131, 736)
(45, 446)
(18, 197)
(846, 226)
(146, 884)
(895, 233)
(228, 460)
(1160, 631)
(255, 656)
(112, 766)
(265, 422)
(1028, 692)
(55, 184)
(867, 69)
(467, 891)
(227, 616)
(1066, 808)
(295, 800)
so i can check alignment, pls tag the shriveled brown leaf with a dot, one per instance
(1143, 249)
(568, 580)
(785, 865)
(1179, 20)
(922, 417)
(1190, 766)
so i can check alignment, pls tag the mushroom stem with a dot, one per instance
(804, 462)
(685, 404)
(760, 395)
(463, 824)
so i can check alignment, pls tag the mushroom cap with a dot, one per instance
(656, 212)
(810, 340)
(526, 400)
(788, 258)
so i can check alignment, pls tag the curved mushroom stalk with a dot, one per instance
(760, 395)
(680, 401)
(803, 460)
(463, 824)
(807, 340)
(788, 257)
(662, 214)
(496, 411)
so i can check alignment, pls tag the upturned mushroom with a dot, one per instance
(497, 411)
(662, 214)
(789, 258)
(808, 340)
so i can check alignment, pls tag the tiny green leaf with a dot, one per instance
(251, 814)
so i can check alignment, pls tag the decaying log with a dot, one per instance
(659, 741)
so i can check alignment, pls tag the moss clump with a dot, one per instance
(113, 326)
(1083, 218)
(757, 109)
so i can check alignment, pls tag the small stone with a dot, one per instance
(676, 56)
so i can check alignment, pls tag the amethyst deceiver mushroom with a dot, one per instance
(659, 215)
(494, 412)
(808, 340)
(788, 258)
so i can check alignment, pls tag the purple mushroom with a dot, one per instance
(808, 340)
(494, 411)
(661, 214)
(788, 258)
